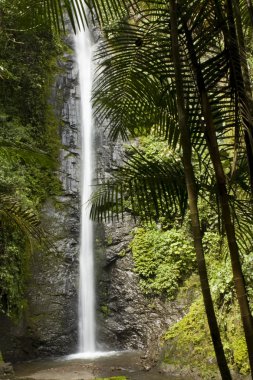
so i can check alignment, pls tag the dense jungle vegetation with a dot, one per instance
(29, 146)
(176, 76)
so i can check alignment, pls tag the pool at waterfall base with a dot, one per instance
(103, 365)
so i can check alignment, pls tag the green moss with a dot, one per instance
(112, 378)
(105, 310)
(109, 240)
(188, 341)
(189, 291)
(26, 119)
(239, 348)
(122, 253)
(235, 341)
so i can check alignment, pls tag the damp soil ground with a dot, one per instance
(124, 364)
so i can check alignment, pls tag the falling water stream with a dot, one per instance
(83, 45)
(86, 314)
(88, 361)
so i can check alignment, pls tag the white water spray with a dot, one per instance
(86, 283)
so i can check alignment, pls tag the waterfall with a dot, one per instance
(83, 46)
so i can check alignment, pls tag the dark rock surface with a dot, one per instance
(52, 312)
(126, 318)
(6, 371)
(49, 326)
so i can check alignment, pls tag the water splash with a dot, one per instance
(83, 47)
(94, 355)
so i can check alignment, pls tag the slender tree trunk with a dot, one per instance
(224, 200)
(250, 9)
(192, 197)
(239, 72)
(241, 75)
(242, 48)
(247, 85)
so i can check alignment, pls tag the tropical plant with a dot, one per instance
(210, 112)
(163, 259)
(27, 63)
(210, 136)
(148, 187)
(192, 193)
(142, 81)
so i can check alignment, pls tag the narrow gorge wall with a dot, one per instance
(53, 291)
(126, 319)
(49, 325)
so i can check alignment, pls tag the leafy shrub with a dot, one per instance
(28, 64)
(162, 259)
(13, 268)
(220, 270)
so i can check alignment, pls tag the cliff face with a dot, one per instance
(52, 312)
(126, 319)
(49, 325)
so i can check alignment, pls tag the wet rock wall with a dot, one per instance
(49, 324)
(126, 319)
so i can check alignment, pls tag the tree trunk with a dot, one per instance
(247, 86)
(240, 73)
(192, 197)
(213, 148)
(250, 9)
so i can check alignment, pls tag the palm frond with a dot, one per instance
(27, 221)
(56, 12)
(14, 150)
(242, 214)
(143, 186)
(134, 80)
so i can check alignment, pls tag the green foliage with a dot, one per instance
(150, 186)
(220, 270)
(112, 378)
(105, 310)
(13, 264)
(240, 353)
(162, 259)
(188, 341)
(165, 199)
(122, 253)
(29, 144)
(152, 145)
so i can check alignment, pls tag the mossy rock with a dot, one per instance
(105, 310)
(112, 378)
(188, 342)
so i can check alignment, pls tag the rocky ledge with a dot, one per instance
(6, 371)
